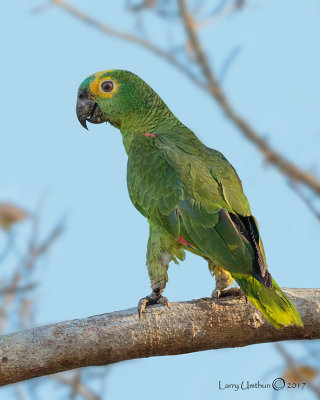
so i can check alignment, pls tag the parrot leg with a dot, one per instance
(223, 280)
(158, 272)
(161, 250)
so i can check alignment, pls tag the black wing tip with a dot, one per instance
(247, 227)
(266, 280)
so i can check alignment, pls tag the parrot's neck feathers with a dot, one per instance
(148, 121)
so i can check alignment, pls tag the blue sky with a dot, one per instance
(99, 264)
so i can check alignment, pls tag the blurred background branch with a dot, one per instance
(20, 262)
(296, 372)
(200, 72)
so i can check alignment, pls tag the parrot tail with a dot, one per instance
(271, 301)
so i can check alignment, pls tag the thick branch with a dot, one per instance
(182, 328)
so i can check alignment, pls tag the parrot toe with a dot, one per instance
(216, 294)
(147, 301)
(233, 292)
(163, 301)
(142, 305)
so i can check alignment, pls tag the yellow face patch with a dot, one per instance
(99, 78)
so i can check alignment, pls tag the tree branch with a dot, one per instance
(295, 369)
(210, 85)
(182, 328)
(270, 155)
(77, 386)
(129, 37)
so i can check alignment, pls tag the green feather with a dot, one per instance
(273, 303)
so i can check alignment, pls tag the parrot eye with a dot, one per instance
(107, 86)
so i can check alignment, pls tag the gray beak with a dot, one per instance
(88, 110)
(85, 107)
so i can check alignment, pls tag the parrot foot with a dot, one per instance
(216, 294)
(154, 298)
(232, 292)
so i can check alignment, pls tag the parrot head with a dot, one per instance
(115, 96)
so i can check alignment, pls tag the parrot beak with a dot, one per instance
(88, 110)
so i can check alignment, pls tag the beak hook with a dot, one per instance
(85, 108)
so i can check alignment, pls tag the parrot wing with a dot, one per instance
(213, 197)
(216, 219)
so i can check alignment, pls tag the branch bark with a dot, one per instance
(182, 328)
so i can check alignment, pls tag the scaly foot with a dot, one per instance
(154, 298)
(216, 294)
(232, 292)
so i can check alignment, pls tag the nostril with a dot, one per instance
(82, 95)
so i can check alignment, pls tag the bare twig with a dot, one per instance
(271, 156)
(8, 299)
(16, 289)
(19, 392)
(8, 246)
(126, 36)
(118, 336)
(298, 190)
(216, 17)
(210, 84)
(75, 383)
(37, 250)
(293, 367)
(13, 289)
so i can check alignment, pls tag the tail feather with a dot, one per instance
(247, 226)
(272, 302)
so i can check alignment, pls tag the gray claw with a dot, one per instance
(231, 292)
(163, 301)
(234, 292)
(149, 301)
(142, 306)
(216, 294)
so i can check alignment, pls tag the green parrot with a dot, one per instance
(190, 194)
